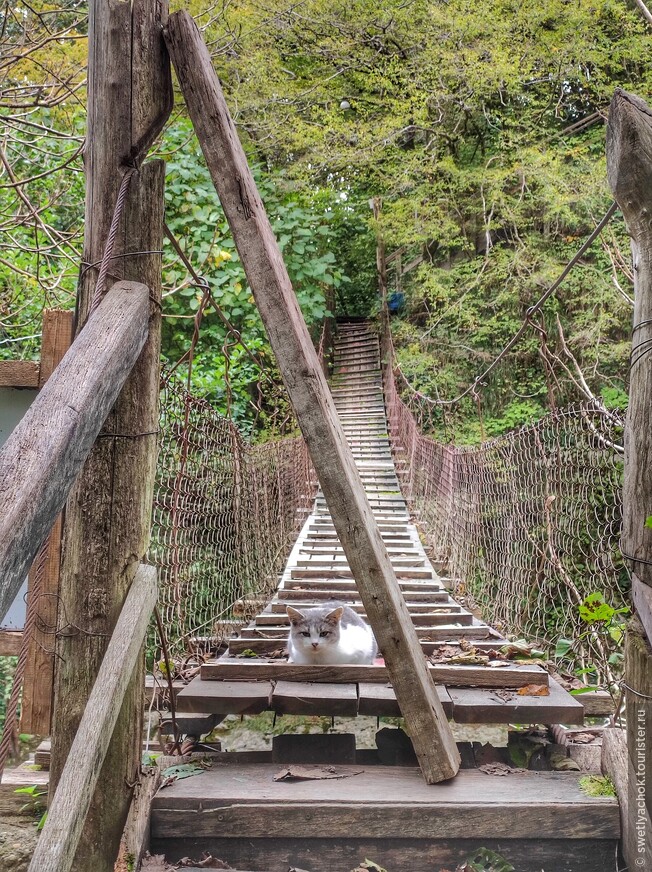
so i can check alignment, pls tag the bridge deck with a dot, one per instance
(474, 684)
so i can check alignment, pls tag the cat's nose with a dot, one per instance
(315, 644)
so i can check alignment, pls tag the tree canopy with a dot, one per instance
(479, 127)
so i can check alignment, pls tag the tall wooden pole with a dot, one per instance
(107, 524)
(629, 167)
(352, 516)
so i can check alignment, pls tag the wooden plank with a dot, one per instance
(38, 681)
(636, 840)
(596, 703)
(479, 706)
(135, 840)
(55, 850)
(351, 595)
(45, 452)
(228, 669)
(225, 697)
(10, 642)
(379, 700)
(638, 704)
(19, 374)
(305, 698)
(642, 599)
(382, 801)
(629, 170)
(58, 325)
(312, 401)
(416, 855)
(249, 641)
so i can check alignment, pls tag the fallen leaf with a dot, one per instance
(155, 863)
(495, 769)
(314, 773)
(207, 862)
(368, 866)
(534, 690)
(587, 738)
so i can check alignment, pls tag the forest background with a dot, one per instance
(480, 128)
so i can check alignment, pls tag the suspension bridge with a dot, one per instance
(89, 442)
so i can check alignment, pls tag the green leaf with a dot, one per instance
(562, 647)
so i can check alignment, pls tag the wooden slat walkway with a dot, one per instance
(253, 675)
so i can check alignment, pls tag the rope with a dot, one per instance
(100, 285)
(10, 731)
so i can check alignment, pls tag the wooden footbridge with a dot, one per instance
(89, 442)
(263, 811)
(253, 675)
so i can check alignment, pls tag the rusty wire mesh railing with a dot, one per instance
(225, 516)
(528, 523)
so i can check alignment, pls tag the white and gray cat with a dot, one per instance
(329, 634)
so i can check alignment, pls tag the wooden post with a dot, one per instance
(55, 849)
(629, 168)
(107, 522)
(36, 706)
(313, 404)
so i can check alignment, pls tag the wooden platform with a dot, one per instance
(241, 814)
(254, 674)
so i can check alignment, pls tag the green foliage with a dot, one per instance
(36, 803)
(597, 785)
(604, 621)
(224, 371)
(484, 860)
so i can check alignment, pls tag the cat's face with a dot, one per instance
(314, 631)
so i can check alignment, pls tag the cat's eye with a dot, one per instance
(325, 633)
(305, 634)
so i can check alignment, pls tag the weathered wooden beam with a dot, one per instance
(638, 704)
(19, 374)
(10, 642)
(629, 169)
(636, 829)
(43, 455)
(55, 850)
(36, 706)
(313, 404)
(129, 99)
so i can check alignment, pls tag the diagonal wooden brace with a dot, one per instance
(312, 401)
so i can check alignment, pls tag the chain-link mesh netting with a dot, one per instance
(225, 516)
(528, 522)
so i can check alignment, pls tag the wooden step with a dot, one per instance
(241, 814)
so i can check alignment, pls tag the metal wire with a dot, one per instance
(528, 522)
(225, 516)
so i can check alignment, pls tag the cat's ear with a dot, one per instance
(335, 616)
(294, 615)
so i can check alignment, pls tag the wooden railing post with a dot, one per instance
(55, 850)
(107, 523)
(629, 167)
(38, 682)
(352, 516)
